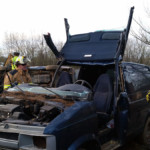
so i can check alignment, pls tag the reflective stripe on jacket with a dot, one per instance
(6, 86)
(18, 76)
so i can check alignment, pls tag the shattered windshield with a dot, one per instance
(49, 91)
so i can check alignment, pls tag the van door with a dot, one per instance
(137, 83)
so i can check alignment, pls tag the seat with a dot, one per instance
(103, 93)
(65, 78)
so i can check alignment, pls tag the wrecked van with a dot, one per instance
(101, 109)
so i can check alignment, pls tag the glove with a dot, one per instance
(148, 96)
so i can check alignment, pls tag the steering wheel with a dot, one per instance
(83, 82)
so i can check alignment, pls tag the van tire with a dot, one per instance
(146, 133)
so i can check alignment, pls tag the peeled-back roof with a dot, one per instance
(92, 47)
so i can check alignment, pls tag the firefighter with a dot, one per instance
(18, 75)
(13, 60)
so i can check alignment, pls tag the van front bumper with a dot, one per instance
(25, 137)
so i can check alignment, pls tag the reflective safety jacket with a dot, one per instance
(18, 76)
(13, 64)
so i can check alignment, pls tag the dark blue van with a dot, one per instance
(118, 88)
(101, 108)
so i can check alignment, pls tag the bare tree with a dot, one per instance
(138, 52)
(33, 47)
(138, 48)
(143, 34)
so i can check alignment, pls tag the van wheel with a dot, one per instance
(146, 133)
(91, 145)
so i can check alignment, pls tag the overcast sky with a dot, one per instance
(42, 16)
